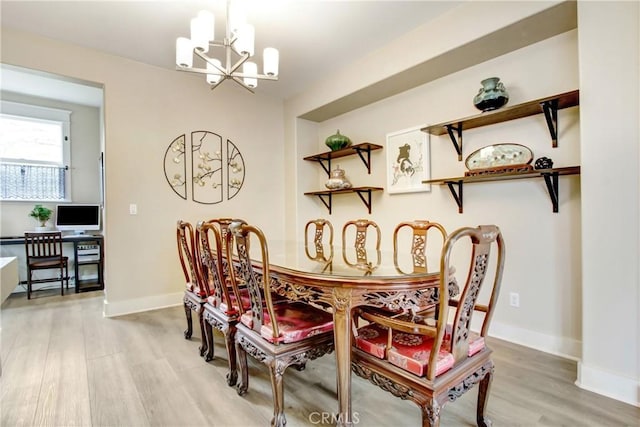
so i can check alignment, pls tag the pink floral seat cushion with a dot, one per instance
(410, 351)
(296, 322)
(244, 297)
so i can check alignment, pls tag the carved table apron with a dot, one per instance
(339, 285)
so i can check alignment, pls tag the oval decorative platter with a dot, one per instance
(499, 155)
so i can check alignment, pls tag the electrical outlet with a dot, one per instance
(133, 209)
(514, 299)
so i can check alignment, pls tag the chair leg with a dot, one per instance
(62, 280)
(277, 389)
(243, 386)
(431, 413)
(29, 284)
(189, 331)
(483, 395)
(208, 330)
(203, 336)
(229, 338)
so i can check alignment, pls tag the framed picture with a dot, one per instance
(408, 162)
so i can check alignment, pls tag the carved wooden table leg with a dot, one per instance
(342, 319)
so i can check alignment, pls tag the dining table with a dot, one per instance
(340, 279)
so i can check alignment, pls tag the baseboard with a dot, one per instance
(137, 305)
(560, 346)
(617, 387)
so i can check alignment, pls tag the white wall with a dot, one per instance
(609, 51)
(145, 109)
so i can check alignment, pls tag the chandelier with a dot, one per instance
(236, 50)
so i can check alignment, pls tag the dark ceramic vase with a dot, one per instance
(492, 95)
(543, 163)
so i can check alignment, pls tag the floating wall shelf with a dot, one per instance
(549, 106)
(363, 150)
(550, 178)
(326, 196)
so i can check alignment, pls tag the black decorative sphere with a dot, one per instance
(543, 163)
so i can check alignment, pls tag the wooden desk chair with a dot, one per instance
(419, 233)
(320, 225)
(428, 360)
(360, 241)
(278, 335)
(44, 252)
(196, 290)
(220, 311)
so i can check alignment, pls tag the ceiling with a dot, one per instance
(313, 36)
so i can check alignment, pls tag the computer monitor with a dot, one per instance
(78, 218)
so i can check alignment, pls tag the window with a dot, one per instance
(34, 153)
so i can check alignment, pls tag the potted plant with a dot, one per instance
(42, 215)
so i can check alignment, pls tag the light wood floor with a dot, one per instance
(63, 364)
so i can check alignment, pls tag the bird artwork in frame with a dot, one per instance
(408, 162)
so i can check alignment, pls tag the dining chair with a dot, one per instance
(196, 290)
(360, 241)
(319, 226)
(429, 360)
(278, 335)
(419, 236)
(44, 252)
(220, 311)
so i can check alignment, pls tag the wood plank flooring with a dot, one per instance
(63, 364)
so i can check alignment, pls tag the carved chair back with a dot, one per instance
(190, 259)
(223, 227)
(360, 240)
(419, 233)
(239, 241)
(319, 226)
(211, 253)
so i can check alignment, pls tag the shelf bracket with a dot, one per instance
(367, 201)
(367, 161)
(550, 109)
(551, 179)
(326, 167)
(456, 193)
(457, 143)
(327, 201)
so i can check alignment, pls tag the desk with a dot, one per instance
(87, 250)
(335, 279)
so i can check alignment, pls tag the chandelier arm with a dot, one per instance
(221, 71)
(242, 60)
(239, 75)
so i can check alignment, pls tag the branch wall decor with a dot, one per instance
(175, 168)
(214, 167)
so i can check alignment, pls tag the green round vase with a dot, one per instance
(337, 141)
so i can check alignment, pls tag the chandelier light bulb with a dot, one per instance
(199, 36)
(250, 69)
(245, 42)
(270, 57)
(208, 24)
(213, 78)
(237, 18)
(184, 52)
